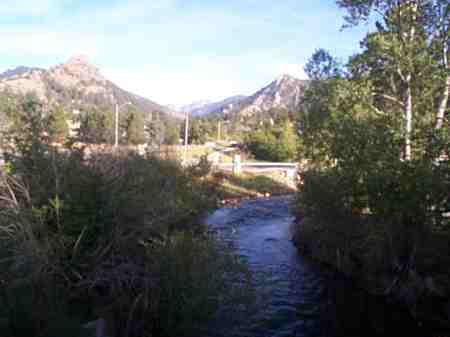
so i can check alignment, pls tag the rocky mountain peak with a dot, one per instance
(286, 79)
(284, 93)
(77, 69)
(75, 85)
(283, 78)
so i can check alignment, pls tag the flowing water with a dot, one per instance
(295, 296)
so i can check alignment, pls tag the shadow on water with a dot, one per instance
(293, 295)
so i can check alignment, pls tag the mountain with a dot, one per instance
(283, 93)
(192, 107)
(204, 108)
(76, 85)
(10, 73)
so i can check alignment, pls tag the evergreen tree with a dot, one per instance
(26, 132)
(57, 125)
(96, 126)
(172, 133)
(6, 105)
(156, 133)
(135, 127)
(197, 132)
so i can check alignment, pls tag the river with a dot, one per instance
(296, 296)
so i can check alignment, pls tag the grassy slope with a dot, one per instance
(249, 185)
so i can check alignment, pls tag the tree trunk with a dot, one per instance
(443, 105)
(409, 100)
(445, 95)
(408, 122)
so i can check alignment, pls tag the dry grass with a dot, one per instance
(248, 185)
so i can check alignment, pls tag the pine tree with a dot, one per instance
(156, 133)
(172, 133)
(57, 125)
(96, 126)
(135, 128)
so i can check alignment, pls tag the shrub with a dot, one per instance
(276, 143)
(401, 207)
(114, 236)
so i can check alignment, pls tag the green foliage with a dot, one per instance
(172, 134)
(202, 168)
(202, 130)
(6, 104)
(322, 66)
(383, 220)
(371, 208)
(134, 127)
(275, 143)
(57, 125)
(359, 171)
(405, 61)
(197, 132)
(25, 135)
(162, 132)
(156, 132)
(96, 126)
(261, 144)
(199, 275)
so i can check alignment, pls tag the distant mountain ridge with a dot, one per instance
(192, 107)
(76, 85)
(207, 107)
(285, 92)
(79, 85)
(18, 71)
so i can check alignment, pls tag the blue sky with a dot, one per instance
(176, 51)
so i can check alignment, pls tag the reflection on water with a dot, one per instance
(294, 296)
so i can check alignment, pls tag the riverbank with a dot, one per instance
(294, 295)
(351, 247)
(231, 188)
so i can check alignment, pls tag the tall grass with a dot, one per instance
(114, 237)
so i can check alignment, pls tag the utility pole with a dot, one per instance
(186, 136)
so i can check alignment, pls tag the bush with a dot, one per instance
(396, 214)
(114, 236)
(277, 143)
(202, 168)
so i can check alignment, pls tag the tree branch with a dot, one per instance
(390, 98)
